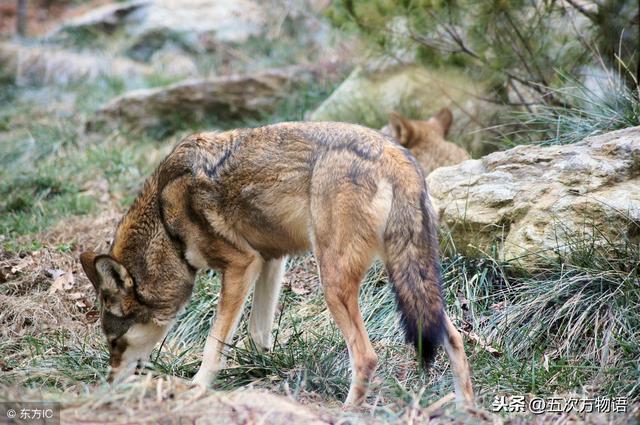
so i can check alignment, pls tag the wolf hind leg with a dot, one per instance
(237, 280)
(459, 363)
(265, 301)
(346, 238)
(341, 287)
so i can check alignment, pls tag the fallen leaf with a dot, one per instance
(475, 338)
(62, 280)
(499, 305)
(23, 264)
(298, 288)
(76, 295)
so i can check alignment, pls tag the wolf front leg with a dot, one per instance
(237, 279)
(265, 300)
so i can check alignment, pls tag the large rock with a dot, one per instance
(149, 25)
(368, 96)
(533, 203)
(230, 21)
(46, 65)
(107, 18)
(198, 101)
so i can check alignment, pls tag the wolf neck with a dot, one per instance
(138, 227)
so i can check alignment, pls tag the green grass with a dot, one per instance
(54, 362)
(48, 164)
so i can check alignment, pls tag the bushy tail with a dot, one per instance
(413, 266)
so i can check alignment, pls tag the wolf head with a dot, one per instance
(128, 322)
(411, 133)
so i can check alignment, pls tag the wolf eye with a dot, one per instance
(113, 343)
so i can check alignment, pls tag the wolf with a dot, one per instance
(240, 202)
(426, 139)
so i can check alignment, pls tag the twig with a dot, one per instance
(436, 405)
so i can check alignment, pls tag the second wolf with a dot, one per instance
(426, 139)
(240, 202)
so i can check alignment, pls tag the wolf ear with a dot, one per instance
(87, 259)
(401, 128)
(106, 274)
(444, 119)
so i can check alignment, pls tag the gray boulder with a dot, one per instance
(107, 18)
(142, 27)
(533, 203)
(199, 101)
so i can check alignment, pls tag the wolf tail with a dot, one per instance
(413, 266)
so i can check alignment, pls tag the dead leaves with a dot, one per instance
(24, 263)
(62, 280)
(46, 271)
(480, 342)
(302, 277)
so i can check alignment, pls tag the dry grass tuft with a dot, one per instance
(146, 400)
(46, 289)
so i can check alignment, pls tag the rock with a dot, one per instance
(106, 18)
(367, 97)
(230, 21)
(174, 64)
(147, 26)
(40, 66)
(196, 101)
(153, 41)
(534, 203)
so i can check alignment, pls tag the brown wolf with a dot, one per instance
(426, 139)
(239, 202)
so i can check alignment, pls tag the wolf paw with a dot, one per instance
(202, 379)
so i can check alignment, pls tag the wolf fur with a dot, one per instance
(240, 202)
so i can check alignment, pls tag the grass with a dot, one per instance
(557, 332)
(605, 105)
(548, 329)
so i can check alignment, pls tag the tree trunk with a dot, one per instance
(21, 18)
